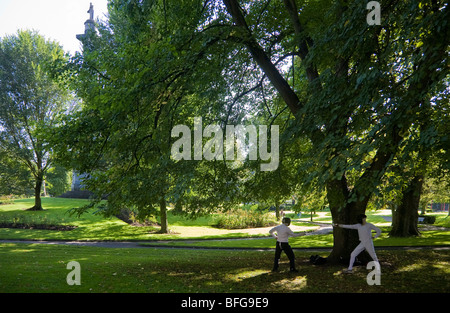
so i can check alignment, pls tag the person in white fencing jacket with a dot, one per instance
(282, 233)
(365, 238)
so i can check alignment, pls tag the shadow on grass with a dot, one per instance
(38, 268)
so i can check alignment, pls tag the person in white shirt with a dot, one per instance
(282, 233)
(365, 238)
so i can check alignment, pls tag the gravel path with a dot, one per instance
(323, 229)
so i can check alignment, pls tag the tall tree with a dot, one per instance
(136, 86)
(366, 84)
(358, 89)
(422, 154)
(29, 100)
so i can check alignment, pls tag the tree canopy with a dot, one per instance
(351, 99)
(30, 99)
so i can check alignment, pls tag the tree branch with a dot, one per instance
(262, 59)
(303, 41)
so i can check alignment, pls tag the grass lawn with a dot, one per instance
(91, 227)
(94, 227)
(42, 268)
(88, 226)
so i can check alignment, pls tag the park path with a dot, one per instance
(145, 244)
(323, 229)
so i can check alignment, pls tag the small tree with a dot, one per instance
(29, 100)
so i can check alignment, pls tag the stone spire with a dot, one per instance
(89, 25)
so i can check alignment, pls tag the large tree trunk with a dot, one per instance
(344, 240)
(163, 216)
(37, 194)
(344, 212)
(405, 216)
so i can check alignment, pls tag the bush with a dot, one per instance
(7, 199)
(427, 219)
(239, 219)
(24, 221)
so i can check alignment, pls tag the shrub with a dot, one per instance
(427, 219)
(7, 199)
(25, 221)
(239, 219)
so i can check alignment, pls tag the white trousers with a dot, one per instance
(368, 246)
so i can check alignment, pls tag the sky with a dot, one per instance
(58, 20)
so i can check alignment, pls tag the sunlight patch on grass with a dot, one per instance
(22, 250)
(410, 268)
(292, 284)
(338, 273)
(214, 283)
(240, 276)
(443, 266)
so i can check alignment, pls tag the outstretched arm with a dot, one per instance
(292, 234)
(353, 226)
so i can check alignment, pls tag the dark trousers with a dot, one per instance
(284, 246)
